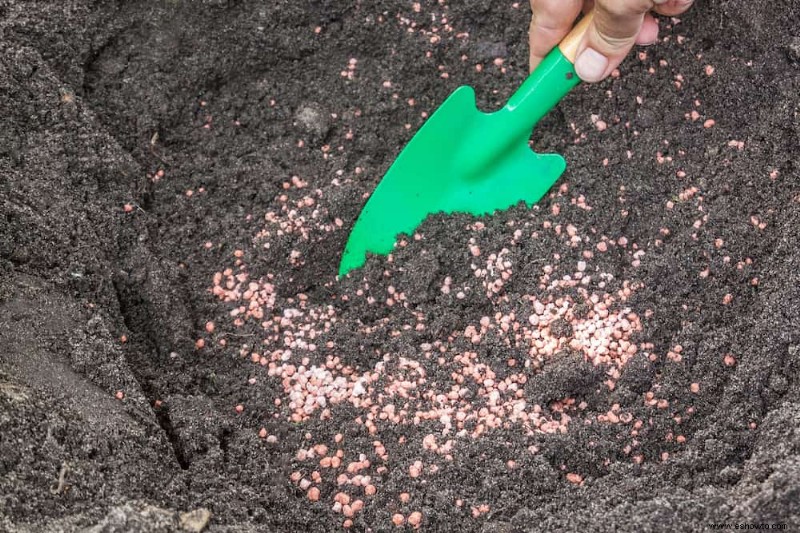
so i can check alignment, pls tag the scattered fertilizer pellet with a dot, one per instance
(575, 479)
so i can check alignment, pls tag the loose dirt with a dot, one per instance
(178, 179)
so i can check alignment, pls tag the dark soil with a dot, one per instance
(97, 97)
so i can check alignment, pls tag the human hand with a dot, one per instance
(617, 26)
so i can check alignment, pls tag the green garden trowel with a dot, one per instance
(465, 161)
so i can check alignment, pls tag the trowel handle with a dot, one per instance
(569, 44)
(549, 83)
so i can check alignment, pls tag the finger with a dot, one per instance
(649, 32)
(550, 22)
(671, 8)
(610, 37)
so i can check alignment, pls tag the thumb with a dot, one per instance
(609, 37)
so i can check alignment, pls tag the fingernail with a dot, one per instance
(591, 65)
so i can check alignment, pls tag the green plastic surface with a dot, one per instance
(467, 161)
